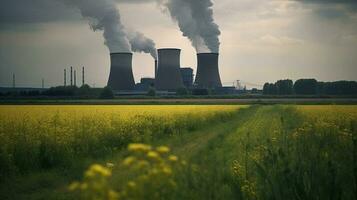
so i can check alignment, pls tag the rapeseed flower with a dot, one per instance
(129, 160)
(139, 147)
(163, 149)
(173, 158)
(153, 155)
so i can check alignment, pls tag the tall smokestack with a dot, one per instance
(155, 69)
(207, 71)
(168, 72)
(43, 83)
(13, 81)
(121, 72)
(75, 78)
(71, 76)
(82, 76)
(65, 77)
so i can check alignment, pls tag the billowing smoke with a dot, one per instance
(195, 19)
(140, 43)
(103, 15)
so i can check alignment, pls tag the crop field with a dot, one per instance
(178, 152)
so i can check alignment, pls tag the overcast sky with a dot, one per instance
(261, 40)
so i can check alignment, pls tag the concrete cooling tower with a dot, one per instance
(207, 71)
(121, 73)
(168, 72)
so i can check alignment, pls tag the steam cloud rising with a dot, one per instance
(195, 19)
(140, 43)
(104, 15)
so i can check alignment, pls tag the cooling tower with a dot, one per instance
(207, 71)
(168, 72)
(121, 73)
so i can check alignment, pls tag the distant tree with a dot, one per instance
(340, 88)
(284, 87)
(151, 92)
(182, 91)
(306, 86)
(61, 91)
(255, 91)
(106, 93)
(84, 90)
(200, 92)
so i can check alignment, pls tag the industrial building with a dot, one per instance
(168, 70)
(145, 84)
(121, 72)
(187, 76)
(169, 76)
(207, 71)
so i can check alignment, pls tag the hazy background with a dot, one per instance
(261, 40)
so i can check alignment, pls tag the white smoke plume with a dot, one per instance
(140, 43)
(195, 19)
(104, 15)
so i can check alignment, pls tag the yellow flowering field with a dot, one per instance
(49, 136)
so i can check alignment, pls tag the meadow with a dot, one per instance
(178, 152)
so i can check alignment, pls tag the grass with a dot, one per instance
(257, 152)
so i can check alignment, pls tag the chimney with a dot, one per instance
(65, 77)
(82, 76)
(43, 83)
(75, 78)
(207, 71)
(168, 70)
(155, 69)
(121, 72)
(71, 76)
(13, 80)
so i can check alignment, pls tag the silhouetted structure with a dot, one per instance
(71, 76)
(13, 81)
(145, 84)
(207, 71)
(83, 76)
(187, 76)
(65, 77)
(155, 68)
(121, 73)
(75, 78)
(168, 72)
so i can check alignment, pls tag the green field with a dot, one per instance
(178, 152)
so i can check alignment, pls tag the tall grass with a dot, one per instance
(316, 159)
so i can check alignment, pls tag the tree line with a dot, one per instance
(310, 87)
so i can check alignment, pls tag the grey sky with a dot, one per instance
(261, 40)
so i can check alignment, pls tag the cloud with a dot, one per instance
(34, 11)
(41, 11)
(279, 40)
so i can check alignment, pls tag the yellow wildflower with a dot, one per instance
(153, 155)
(131, 184)
(129, 160)
(98, 169)
(163, 149)
(173, 158)
(167, 170)
(110, 165)
(139, 147)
